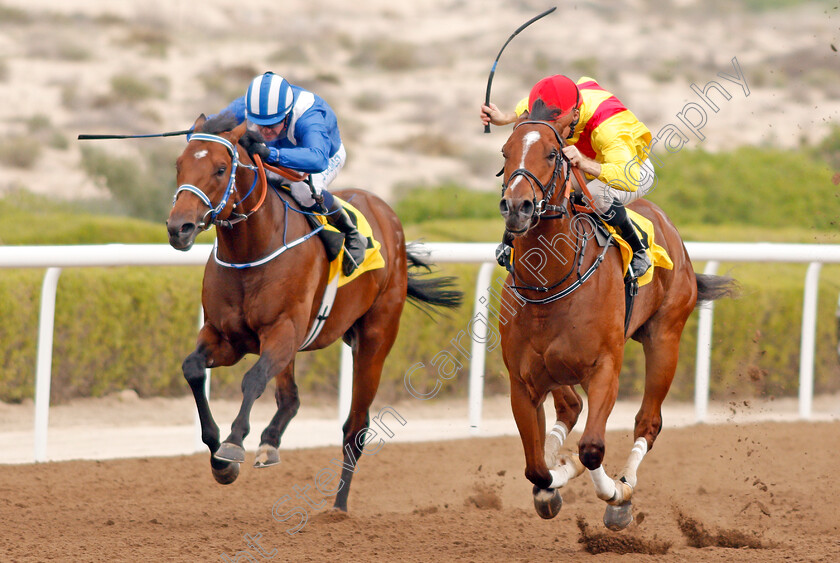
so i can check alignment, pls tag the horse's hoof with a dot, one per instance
(227, 474)
(548, 503)
(230, 452)
(267, 456)
(616, 518)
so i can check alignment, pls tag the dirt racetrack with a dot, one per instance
(704, 491)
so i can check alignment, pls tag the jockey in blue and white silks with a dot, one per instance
(301, 132)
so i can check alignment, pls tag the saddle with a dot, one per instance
(659, 256)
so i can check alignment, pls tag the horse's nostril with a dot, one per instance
(503, 207)
(187, 228)
(527, 207)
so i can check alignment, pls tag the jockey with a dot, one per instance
(301, 133)
(604, 139)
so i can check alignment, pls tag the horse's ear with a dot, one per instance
(238, 131)
(199, 123)
(524, 116)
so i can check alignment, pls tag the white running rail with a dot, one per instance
(54, 258)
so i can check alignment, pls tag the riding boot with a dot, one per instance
(618, 219)
(355, 244)
(504, 249)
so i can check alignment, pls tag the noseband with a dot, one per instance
(542, 206)
(211, 217)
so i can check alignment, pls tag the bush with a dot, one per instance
(418, 204)
(20, 151)
(143, 191)
(749, 186)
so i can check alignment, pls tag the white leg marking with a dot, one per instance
(635, 458)
(604, 486)
(553, 442)
(614, 492)
(562, 474)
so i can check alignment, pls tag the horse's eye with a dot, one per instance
(221, 171)
(552, 155)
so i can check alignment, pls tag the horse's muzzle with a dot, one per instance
(518, 214)
(181, 235)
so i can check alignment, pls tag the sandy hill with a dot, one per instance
(405, 78)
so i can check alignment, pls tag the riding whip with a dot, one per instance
(493, 70)
(169, 134)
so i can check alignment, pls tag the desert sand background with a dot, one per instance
(405, 78)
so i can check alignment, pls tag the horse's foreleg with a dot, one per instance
(253, 384)
(211, 351)
(288, 402)
(531, 425)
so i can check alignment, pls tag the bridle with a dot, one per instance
(541, 207)
(561, 163)
(212, 215)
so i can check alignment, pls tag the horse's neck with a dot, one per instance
(547, 252)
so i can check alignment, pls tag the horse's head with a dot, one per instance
(533, 172)
(206, 176)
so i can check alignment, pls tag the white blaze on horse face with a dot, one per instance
(527, 141)
(200, 154)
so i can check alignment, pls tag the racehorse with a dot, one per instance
(262, 293)
(565, 323)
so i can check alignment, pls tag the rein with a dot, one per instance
(211, 217)
(560, 162)
(542, 206)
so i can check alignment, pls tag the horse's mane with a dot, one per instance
(220, 124)
(542, 112)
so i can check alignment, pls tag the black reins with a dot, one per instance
(540, 208)
(561, 162)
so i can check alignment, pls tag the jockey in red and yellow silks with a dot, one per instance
(604, 139)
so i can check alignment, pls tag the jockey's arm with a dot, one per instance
(491, 114)
(312, 153)
(617, 152)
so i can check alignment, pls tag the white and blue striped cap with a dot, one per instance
(269, 99)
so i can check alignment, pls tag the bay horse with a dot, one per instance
(262, 291)
(567, 326)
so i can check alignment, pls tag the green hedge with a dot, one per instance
(121, 328)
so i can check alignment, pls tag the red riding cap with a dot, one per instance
(556, 91)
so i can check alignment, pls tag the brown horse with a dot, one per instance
(568, 325)
(262, 294)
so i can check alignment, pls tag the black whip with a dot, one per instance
(493, 70)
(169, 134)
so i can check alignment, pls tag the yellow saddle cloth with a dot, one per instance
(373, 257)
(658, 255)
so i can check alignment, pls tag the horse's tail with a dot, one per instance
(711, 288)
(427, 293)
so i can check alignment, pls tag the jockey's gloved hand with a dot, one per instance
(260, 149)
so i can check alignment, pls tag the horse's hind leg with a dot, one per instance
(375, 334)
(286, 394)
(568, 406)
(211, 351)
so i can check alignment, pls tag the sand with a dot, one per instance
(406, 79)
